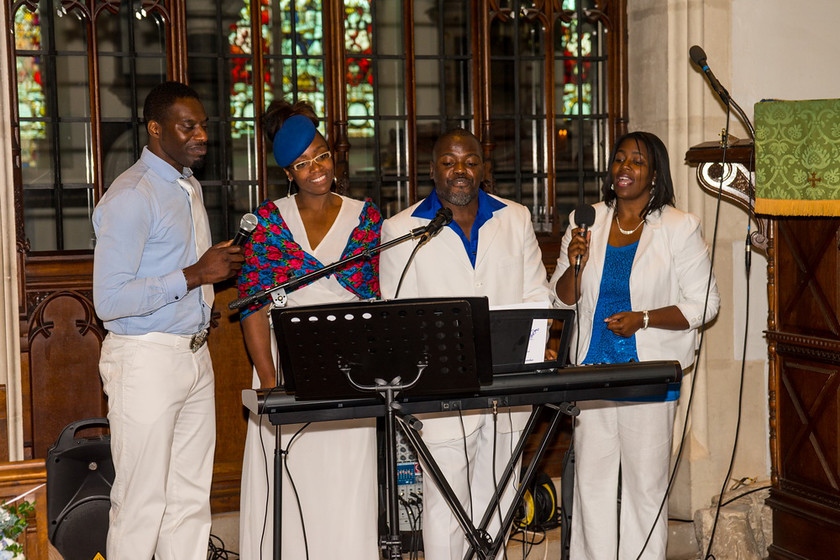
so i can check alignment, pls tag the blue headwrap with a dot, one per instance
(292, 139)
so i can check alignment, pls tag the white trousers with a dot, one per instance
(637, 438)
(163, 433)
(333, 467)
(443, 537)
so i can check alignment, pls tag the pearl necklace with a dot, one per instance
(627, 231)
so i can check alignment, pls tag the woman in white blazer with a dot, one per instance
(643, 290)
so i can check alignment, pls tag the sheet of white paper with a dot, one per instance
(539, 332)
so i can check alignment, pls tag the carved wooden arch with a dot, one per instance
(64, 340)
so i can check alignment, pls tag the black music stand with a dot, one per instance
(421, 347)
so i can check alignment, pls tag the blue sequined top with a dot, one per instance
(606, 347)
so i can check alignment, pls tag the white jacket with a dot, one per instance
(508, 269)
(671, 267)
(508, 266)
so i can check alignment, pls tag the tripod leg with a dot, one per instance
(567, 496)
(530, 472)
(478, 540)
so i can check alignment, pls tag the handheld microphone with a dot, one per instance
(246, 227)
(441, 219)
(698, 56)
(584, 217)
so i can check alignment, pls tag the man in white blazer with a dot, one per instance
(489, 249)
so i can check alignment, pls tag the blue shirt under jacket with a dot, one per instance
(486, 206)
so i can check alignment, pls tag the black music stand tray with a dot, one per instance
(422, 347)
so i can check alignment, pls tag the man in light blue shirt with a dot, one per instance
(152, 286)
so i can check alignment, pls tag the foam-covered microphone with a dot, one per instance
(584, 217)
(698, 56)
(246, 227)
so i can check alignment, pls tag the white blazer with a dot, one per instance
(671, 267)
(508, 270)
(508, 266)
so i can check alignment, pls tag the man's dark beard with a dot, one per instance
(459, 198)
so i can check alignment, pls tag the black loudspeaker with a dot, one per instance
(80, 473)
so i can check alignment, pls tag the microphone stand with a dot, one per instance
(278, 291)
(743, 115)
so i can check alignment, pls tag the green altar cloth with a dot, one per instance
(797, 158)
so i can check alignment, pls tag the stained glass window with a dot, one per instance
(358, 40)
(303, 41)
(31, 105)
(242, 79)
(576, 83)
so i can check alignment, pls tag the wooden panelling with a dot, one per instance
(19, 478)
(233, 373)
(804, 339)
(4, 428)
(64, 342)
(61, 339)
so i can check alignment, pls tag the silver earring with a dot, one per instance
(652, 191)
(612, 187)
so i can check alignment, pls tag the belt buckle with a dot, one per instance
(198, 340)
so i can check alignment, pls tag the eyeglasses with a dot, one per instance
(320, 159)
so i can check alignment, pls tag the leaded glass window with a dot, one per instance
(31, 100)
(530, 78)
(548, 114)
(75, 136)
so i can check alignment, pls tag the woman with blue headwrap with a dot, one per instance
(329, 483)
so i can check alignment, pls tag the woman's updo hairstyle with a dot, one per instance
(302, 128)
(279, 110)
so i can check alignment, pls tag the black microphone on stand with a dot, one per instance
(441, 219)
(584, 217)
(698, 56)
(246, 227)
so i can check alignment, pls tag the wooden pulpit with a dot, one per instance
(803, 338)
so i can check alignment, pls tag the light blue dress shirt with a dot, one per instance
(144, 240)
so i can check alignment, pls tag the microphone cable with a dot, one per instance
(294, 487)
(702, 333)
(285, 454)
(467, 459)
(268, 477)
(578, 357)
(748, 269)
(412, 522)
(422, 242)
(493, 471)
(729, 104)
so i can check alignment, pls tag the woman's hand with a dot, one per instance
(625, 323)
(579, 247)
(569, 282)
